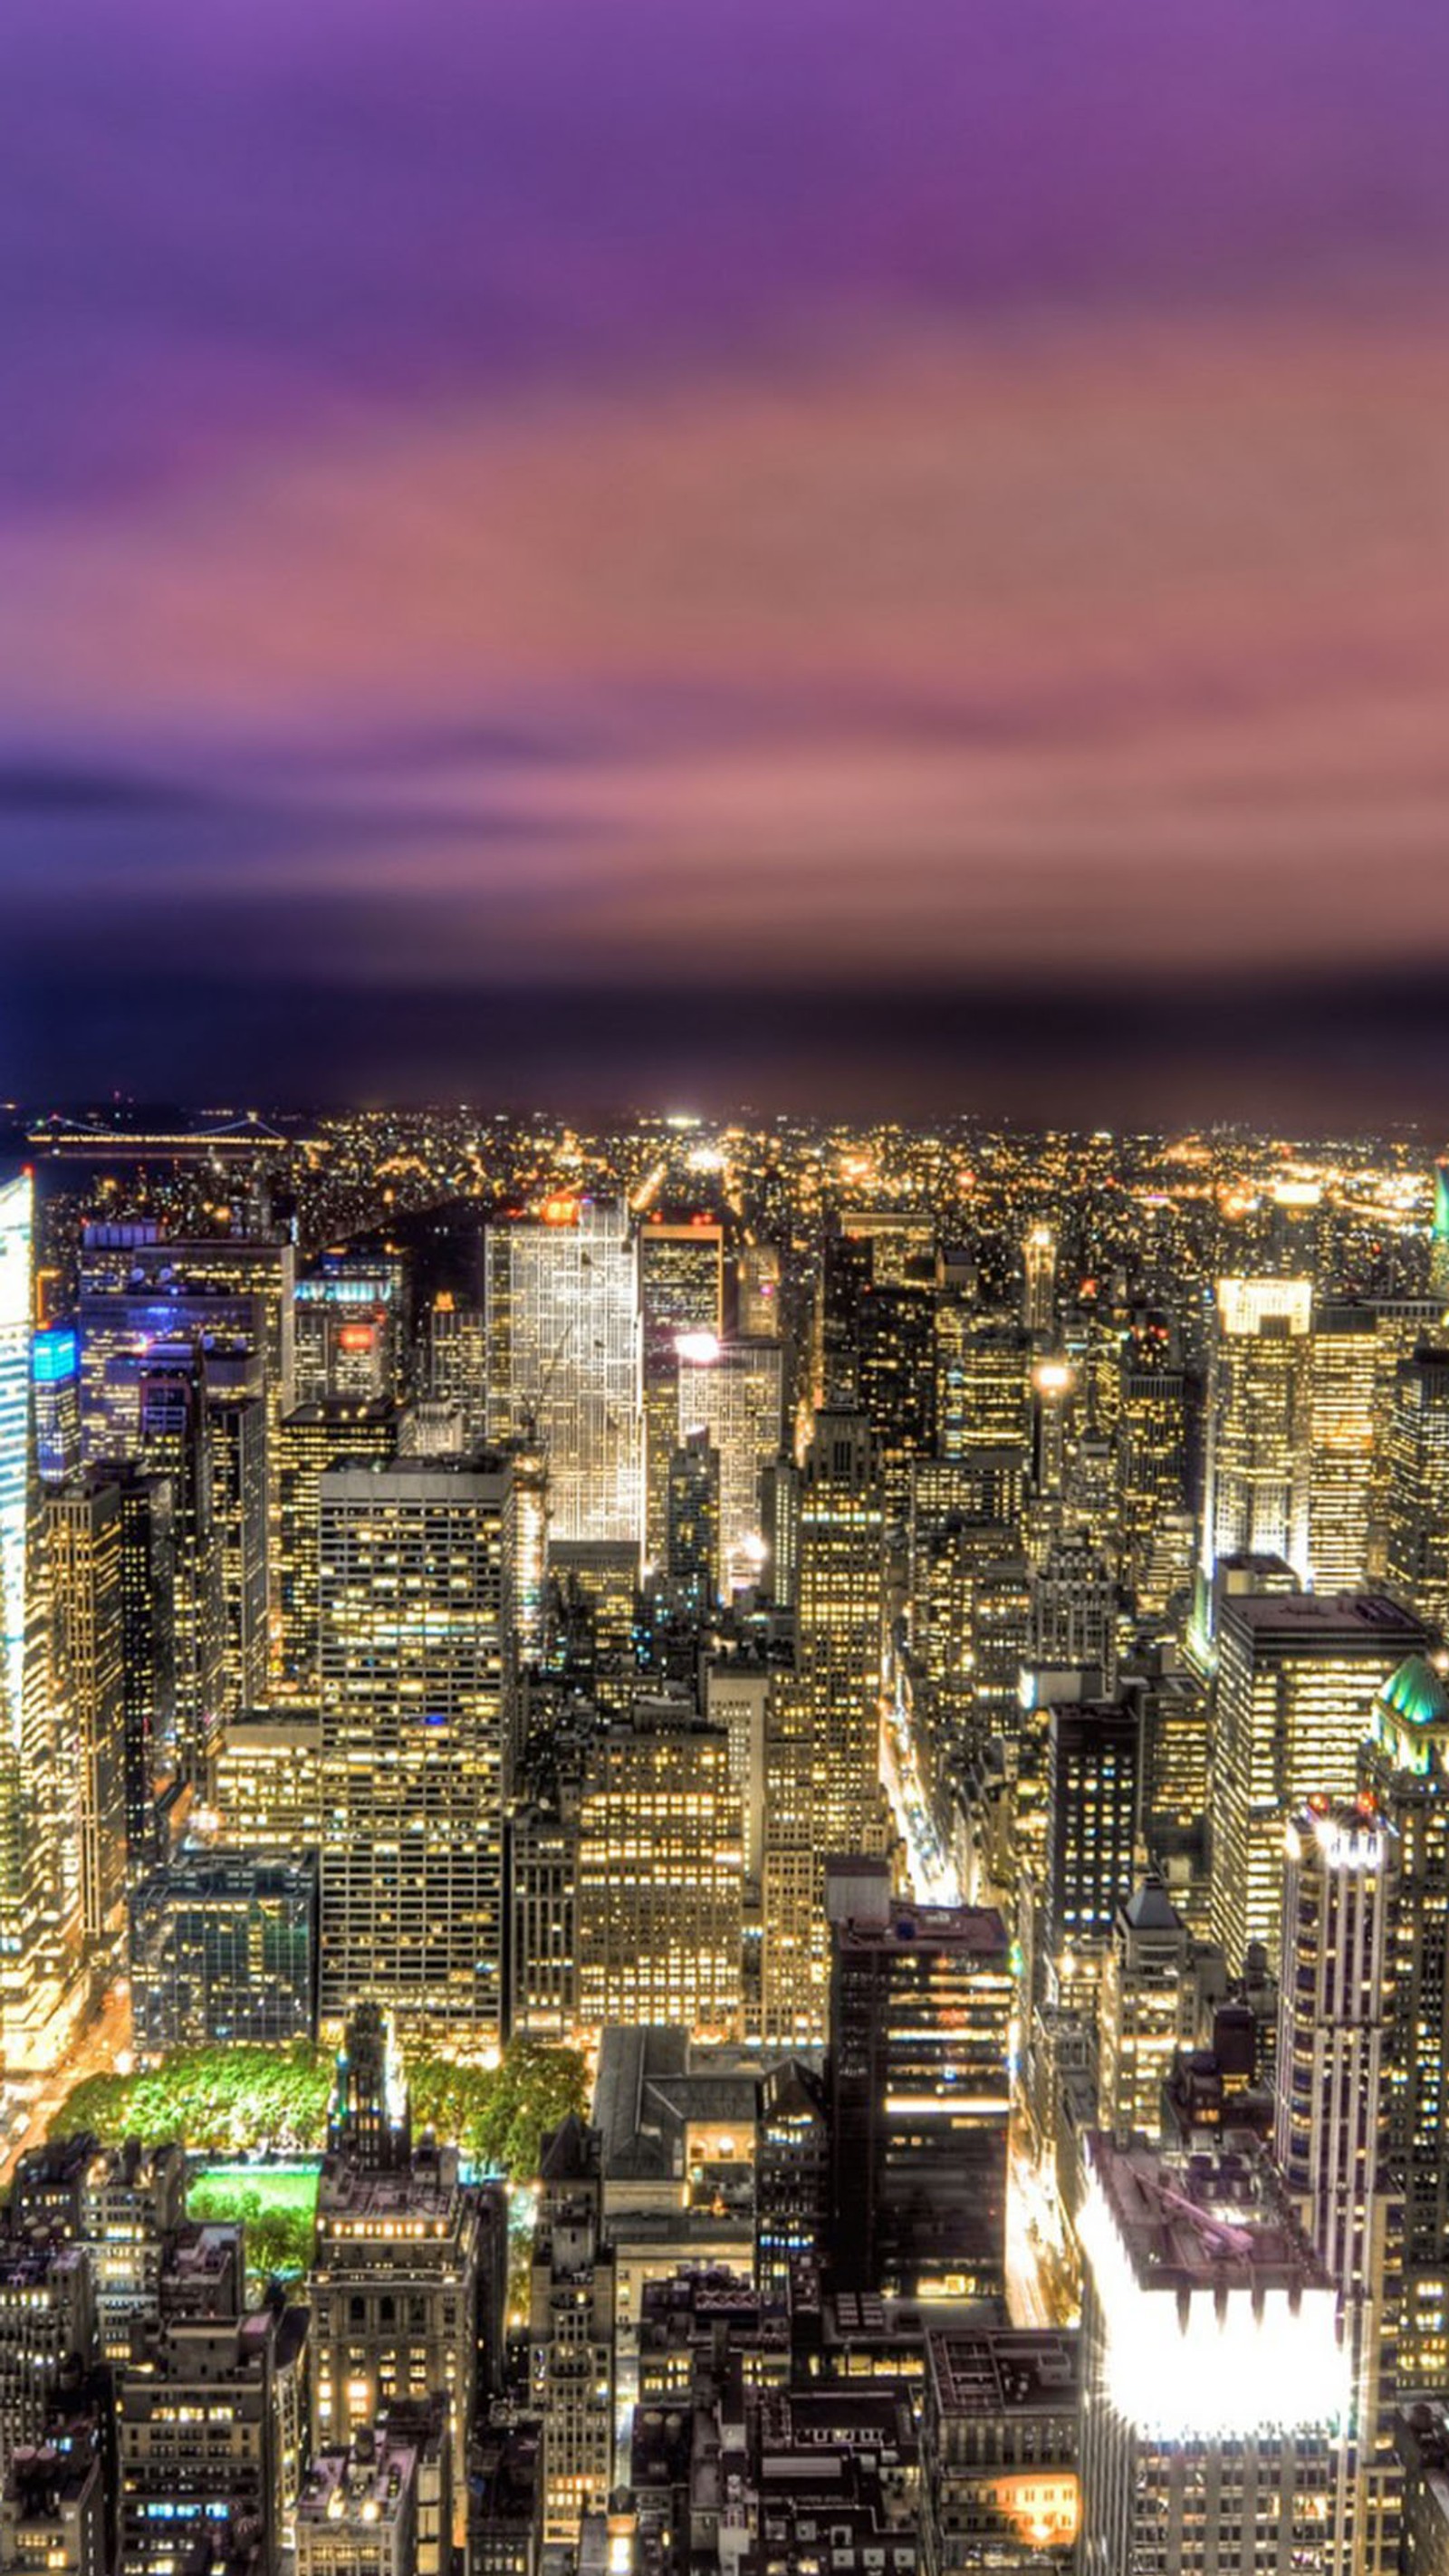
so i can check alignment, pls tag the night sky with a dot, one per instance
(886, 556)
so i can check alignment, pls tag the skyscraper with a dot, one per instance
(564, 1363)
(571, 2329)
(1331, 2129)
(681, 1295)
(1417, 1551)
(415, 1652)
(983, 1381)
(347, 1324)
(1439, 1230)
(1039, 1286)
(236, 1421)
(1345, 1384)
(174, 1441)
(822, 1759)
(1147, 2002)
(1093, 1761)
(41, 1919)
(1152, 1450)
(733, 1391)
(1406, 1767)
(1214, 2388)
(920, 2011)
(659, 1874)
(1259, 1423)
(84, 1532)
(395, 2284)
(1297, 1679)
(311, 1439)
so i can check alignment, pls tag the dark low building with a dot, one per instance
(919, 2095)
(224, 1949)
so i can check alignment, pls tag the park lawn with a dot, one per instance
(282, 2187)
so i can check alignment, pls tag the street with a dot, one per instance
(103, 2041)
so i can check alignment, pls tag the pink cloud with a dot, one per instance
(1127, 643)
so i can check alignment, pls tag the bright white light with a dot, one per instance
(1246, 1305)
(697, 1350)
(1212, 2364)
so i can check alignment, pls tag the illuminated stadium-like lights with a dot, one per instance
(1213, 2360)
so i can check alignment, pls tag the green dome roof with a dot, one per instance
(1416, 1692)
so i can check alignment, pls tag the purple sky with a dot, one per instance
(554, 497)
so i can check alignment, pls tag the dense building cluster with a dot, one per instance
(920, 1655)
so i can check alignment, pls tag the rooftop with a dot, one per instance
(1353, 1622)
(1004, 2370)
(1203, 2221)
(1416, 1692)
(369, 2483)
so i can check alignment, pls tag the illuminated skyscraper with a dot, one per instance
(983, 1381)
(148, 1678)
(1331, 2131)
(416, 1587)
(55, 1369)
(84, 1532)
(139, 1287)
(691, 1549)
(1439, 1231)
(1214, 2387)
(1346, 1372)
(1152, 1458)
(1259, 1423)
(224, 1950)
(174, 1441)
(1406, 1767)
(571, 2326)
(822, 1762)
(312, 1439)
(1039, 1286)
(1146, 2010)
(895, 1339)
(267, 1780)
(347, 1320)
(395, 2285)
(757, 1291)
(1418, 1485)
(236, 1421)
(458, 1361)
(1093, 1759)
(658, 1934)
(1297, 1680)
(681, 1293)
(1074, 1608)
(41, 1919)
(564, 1363)
(732, 1391)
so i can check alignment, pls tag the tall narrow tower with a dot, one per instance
(1406, 1766)
(1039, 1286)
(416, 1588)
(1439, 1232)
(41, 1921)
(564, 1362)
(1260, 1424)
(822, 1779)
(1331, 2129)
